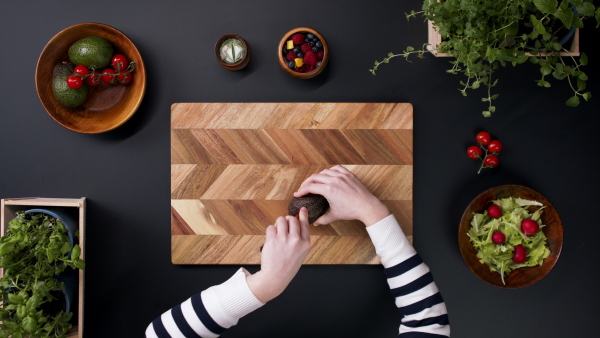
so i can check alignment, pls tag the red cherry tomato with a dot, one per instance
(125, 79)
(530, 227)
(81, 70)
(495, 147)
(107, 78)
(520, 254)
(119, 63)
(494, 211)
(498, 237)
(491, 161)
(483, 138)
(93, 79)
(474, 152)
(74, 81)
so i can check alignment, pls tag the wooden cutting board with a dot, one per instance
(234, 167)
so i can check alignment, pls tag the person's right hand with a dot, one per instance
(348, 197)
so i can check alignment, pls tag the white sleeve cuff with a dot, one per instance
(228, 302)
(391, 245)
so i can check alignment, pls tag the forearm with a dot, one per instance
(410, 281)
(209, 313)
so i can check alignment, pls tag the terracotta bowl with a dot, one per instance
(107, 106)
(282, 61)
(521, 277)
(238, 65)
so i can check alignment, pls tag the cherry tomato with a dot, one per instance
(498, 237)
(483, 138)
(119, 63)
(474, 152)
(494, 211)
(520, 254)
(110, 79)
(93, 79)
(495, 147)
(491, 161)
(81, 70)
(125, 79)
(530, 227)
(74, 81)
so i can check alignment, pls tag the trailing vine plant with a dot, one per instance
(483, 35)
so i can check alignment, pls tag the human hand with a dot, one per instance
(348, 197)
(286, 245)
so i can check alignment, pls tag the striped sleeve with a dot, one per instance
(209, 313)
(411, 283)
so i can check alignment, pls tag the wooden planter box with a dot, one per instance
(76, 208)
(434, 38)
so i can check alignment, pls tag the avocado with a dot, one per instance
(68, 97)
(317, 206)
(93, 52)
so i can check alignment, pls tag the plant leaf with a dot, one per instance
(583, 59)
(573, 101)
(546, 6)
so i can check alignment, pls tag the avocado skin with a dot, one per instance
(65, 95)
(317, 206)
(93, 52)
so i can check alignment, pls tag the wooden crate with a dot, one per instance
(8, 210)
(434, 39)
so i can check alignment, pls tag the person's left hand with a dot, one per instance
(286, 246)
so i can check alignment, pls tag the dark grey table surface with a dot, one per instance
(125, 173)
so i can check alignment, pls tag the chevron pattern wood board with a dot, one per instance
(234, 167)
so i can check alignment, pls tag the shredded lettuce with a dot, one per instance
(499, 256)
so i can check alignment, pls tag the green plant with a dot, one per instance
(483, 35)
(34, 250)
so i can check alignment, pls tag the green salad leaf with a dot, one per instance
(499, 256)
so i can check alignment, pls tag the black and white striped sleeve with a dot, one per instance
(411, 283)
(209, 313)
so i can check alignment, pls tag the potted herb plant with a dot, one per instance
(36, 253)
(483, 35)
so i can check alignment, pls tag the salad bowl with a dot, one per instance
(520, 277)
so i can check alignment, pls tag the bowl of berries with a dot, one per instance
(90, 78)
(510, 236)
(303, 53)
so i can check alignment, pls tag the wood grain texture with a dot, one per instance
(234, 167)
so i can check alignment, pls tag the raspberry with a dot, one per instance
(310, 58)
(305, 47)
(290, 56)
(298, 38)
(320, 55)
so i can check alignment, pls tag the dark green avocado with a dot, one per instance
(66, 96)
(317, 206)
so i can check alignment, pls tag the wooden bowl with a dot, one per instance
(238, 65)
(107, 106)
(290, 71)
(521, 277)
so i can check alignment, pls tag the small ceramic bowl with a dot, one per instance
(283, 62)
(233, 65)
(107, 106)
(521, 277)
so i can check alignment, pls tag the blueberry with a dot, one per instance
(296, 50)
(310, 36)
(318, 44)
(291, 64)
(315, 49)
(306, 40)
(300, 55)
(285, 50)
(312, 43)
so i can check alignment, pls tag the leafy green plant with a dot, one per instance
(34, 250)
(483, 35)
